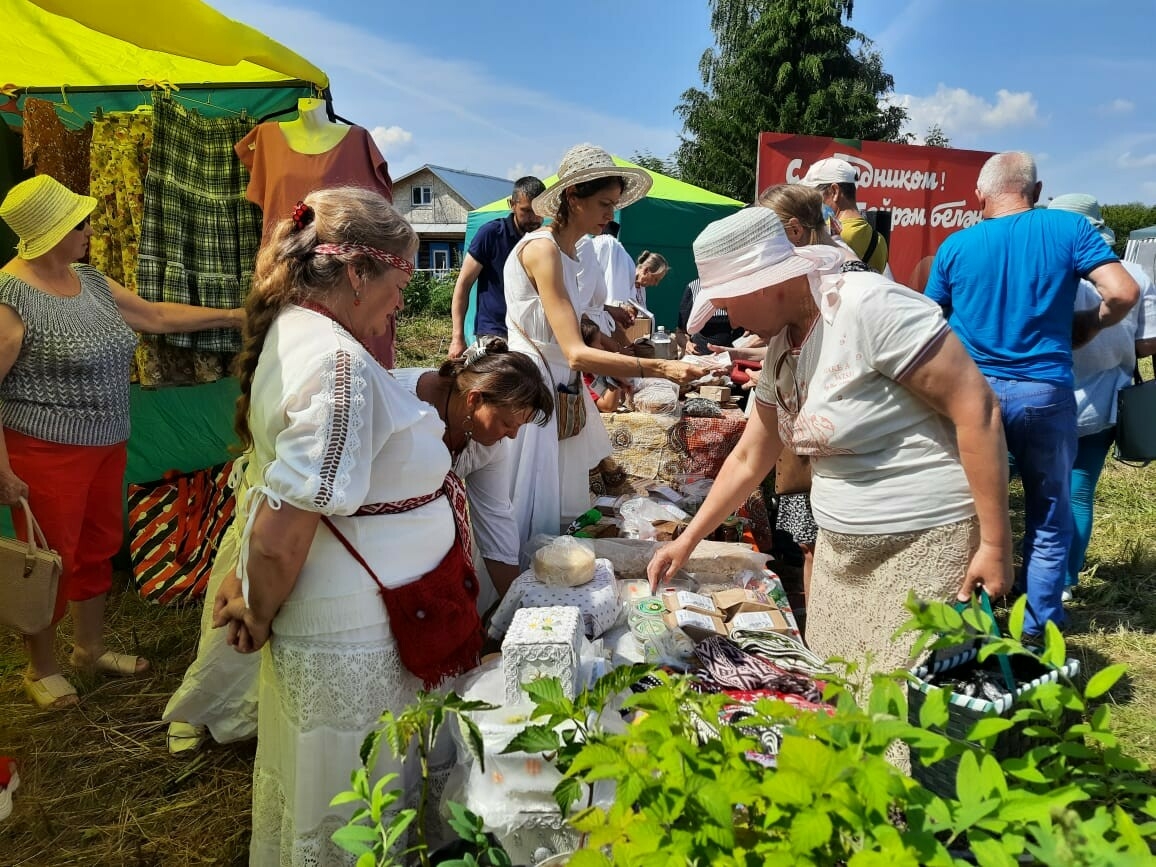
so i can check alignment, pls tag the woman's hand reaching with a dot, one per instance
(682, 372)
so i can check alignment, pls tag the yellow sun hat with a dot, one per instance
(41, 211)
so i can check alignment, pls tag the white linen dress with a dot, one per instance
(333, 431)
(551, 481)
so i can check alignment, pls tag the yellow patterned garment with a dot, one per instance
(121, 144)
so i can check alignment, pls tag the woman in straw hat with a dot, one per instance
(552, 483)
(66, 341)
(864, 377)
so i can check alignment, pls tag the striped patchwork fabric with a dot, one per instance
(199, 234)
(175, 527)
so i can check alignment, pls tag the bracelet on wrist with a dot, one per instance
(638, 361)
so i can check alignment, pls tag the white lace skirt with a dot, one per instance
(319, 697)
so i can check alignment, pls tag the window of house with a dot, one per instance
(421, 195)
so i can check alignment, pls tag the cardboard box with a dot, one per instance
(764, 621)
(717, 393)
(680, 600)
(697, 626)
(739, 600)
(642, 327)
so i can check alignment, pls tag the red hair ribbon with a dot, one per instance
(372, 252)
(302, 216)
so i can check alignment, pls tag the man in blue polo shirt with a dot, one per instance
(1008, 288)
(484, 262)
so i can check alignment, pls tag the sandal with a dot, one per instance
(109, 662)
(52, 692)
(185, 738)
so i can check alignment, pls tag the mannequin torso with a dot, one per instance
(312, 132)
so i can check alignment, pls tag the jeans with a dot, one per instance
(1039, 421)
(1091, 451)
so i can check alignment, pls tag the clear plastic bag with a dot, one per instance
(656, 396)
(564, 562)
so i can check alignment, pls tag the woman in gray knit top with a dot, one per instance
(66, 341)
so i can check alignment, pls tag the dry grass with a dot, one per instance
(99, 788)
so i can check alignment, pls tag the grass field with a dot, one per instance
(99, 787)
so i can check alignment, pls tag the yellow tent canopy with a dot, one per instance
(82, 43)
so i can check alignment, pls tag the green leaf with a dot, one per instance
(346, 798)
(717, 803)
(533, 739)
(934, 712)
(968, 782)
(568, 790)
(1055, 649)
(1103, 680)
(545, 690)
(989, 727)
(1015, 619)
(355, 839)
(989, 852)
(810, 830)
(397, 825)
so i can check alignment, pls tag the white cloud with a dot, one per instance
(1127, 161)
(958, 112)
(393, 141)
(459, 113)
(1117, 106)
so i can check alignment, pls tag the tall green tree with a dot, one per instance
(1124, 219)
(780, 66)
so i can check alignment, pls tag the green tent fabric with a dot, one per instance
(666, 221)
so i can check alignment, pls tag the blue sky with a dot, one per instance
(504, 87)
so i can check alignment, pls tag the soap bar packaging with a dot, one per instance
(762, 621)
(697, 626)
(686, 599)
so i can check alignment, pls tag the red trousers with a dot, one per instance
(76, 494)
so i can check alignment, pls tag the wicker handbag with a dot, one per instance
(29, 577)
(569, 400)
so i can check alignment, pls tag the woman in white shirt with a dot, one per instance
(908, 456)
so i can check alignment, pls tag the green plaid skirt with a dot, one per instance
(199, 234)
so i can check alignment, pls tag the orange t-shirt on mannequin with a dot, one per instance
(287, 161)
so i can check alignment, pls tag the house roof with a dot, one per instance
(476, 189)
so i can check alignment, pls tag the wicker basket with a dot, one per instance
(964, 712)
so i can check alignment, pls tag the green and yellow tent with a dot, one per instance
(666, 221)
(111, 55)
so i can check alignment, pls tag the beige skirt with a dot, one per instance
(860, 584)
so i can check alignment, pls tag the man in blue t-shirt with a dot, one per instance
(484, 262)
(1008, 287)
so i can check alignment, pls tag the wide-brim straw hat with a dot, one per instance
(746, 252)
(41, 211)
(587, 162)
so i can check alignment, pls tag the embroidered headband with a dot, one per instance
(372, 252)
(302, 216)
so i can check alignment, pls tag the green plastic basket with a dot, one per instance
(964, 712)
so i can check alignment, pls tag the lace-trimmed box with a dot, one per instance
(542, 642)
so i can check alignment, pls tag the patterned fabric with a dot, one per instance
(649, 447)
(794, 517)
(69, 383)
(726, 666)
(121, 143)
(199, 236)
(51, 148)
(176, 528)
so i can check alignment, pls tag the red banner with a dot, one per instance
(929, 191)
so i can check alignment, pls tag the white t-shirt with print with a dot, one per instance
(883, 461)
